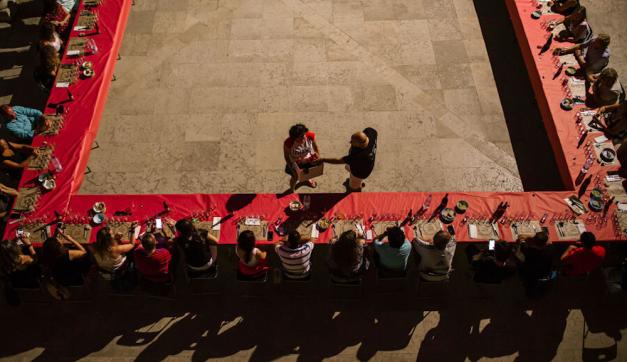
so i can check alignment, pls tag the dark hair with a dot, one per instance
(579, 11)
(604, 39)
(608, 73)
(104, 241)
(502, 251)
(396, 237)
(49, 59)
(52, 250)
(588, 239)
(293, 239)
(298, 130)
(189, 234)
(149, 242)
(344, 250)
(9, 257)
(185, 227)
(246, 243)
(540, 238)
(441, 239)
(47, 31)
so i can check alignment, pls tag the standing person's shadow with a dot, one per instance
(451, 338)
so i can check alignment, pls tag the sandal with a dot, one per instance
(311, 183)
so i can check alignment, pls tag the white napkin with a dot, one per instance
(252, 221)
(80, 27)
(73, 52)
(369, 234)
(216, 223)
(472, 230)
(314, 232)
(63, 84)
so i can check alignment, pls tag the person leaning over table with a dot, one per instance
(58, 13)
(592, 57)
(46, 73)
(360, 159)
(300, 150)
(492, 266)
(16, 155)
(606, 90)
(436, 257)
(110, 251)
(577, 28)
(535, 256)
(18, 263)
(199, 248)
(66, 266)
(295, 254)
(564, 7)
(348, 259)
(583, 258)
(253, 263)
(392, 255)
(614, 118)
(48, 36)
(23, 122)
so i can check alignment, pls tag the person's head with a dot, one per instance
(52, 249)
(602, 41)
(7, 112)
(293, 239)
(502, 251)
(47, 32)
(396, 237)
(608, 77)
(540, 239)
(9, 257)
(344, 250)
(359, 140)
(104, 240)
(185, 227)
(588, 240)
(298, 131)
(49, 59)
(441, 239)
(3, 144)
(578, 15)
(149, 242)
(246, 243)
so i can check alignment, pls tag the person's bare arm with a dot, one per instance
(316, 148)
(568, 251)
(16, 165)
(123, 248)
(262, 254)
(22, 147)
(286, 155)
(567, 50)
(334, 161)
(74, 254)
(8, 190)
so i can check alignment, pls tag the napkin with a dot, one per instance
(63, 84)
(314, 232)
(369, 234)
(216, 223)
(73, 52)
(252, 221)
(472, 230)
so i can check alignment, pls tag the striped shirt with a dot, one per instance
(296, 262)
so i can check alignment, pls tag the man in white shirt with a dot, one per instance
(436, 257)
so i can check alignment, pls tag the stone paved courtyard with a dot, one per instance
(208, 89)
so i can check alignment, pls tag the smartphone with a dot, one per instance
(491, 244)
(270, 235)
(451, 229)
(158, 224)
(19, 232)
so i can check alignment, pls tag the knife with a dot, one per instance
(559, 71)
(547, 45)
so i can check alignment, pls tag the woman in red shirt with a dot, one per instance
(300, 150)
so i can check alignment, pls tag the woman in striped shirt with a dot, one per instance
(295, 254)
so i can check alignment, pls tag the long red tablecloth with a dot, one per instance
(560, 124)
(72, 144)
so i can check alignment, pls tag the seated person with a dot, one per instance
(492, 266)
(110, 251)
(592, 57)
(16, 155)
(564, 7)
(577, 28)
(615, 119)
(535, 255)
(58, 13)
(199, 248)
(606, 90)
(152, 263)
(7, 195)
(18, 263)
(66, 266)
(23, 122)
(347, 258)
(393, 255)
(436, 258)
(49, 64)
(583, 258)
(48, 36)
(295, 254)
(252, 261)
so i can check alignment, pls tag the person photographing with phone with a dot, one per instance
(300, 150)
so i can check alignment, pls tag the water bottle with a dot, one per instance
(57, 165)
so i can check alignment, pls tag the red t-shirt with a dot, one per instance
(302, 152)
(581, 260)
(153, 267)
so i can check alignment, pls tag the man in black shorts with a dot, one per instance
(360, 159)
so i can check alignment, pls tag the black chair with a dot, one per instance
(252, 287)
(206, 283)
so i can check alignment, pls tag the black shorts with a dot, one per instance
(289, 171)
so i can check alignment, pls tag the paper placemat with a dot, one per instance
(41, 160)
(616, 190)
(86, 20)
(577, 87)
(55, 125)
(524, 228)
(67, 74)
(379, 227)
(569, 230)
(26, 199)
(345, 225)
(427, 229)
(207, 225)
(79, 232)
(622, 222)
(91, 3)
(483, 230)
(121, 227)
(260, 231)
(38, 232)
(76, 46)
